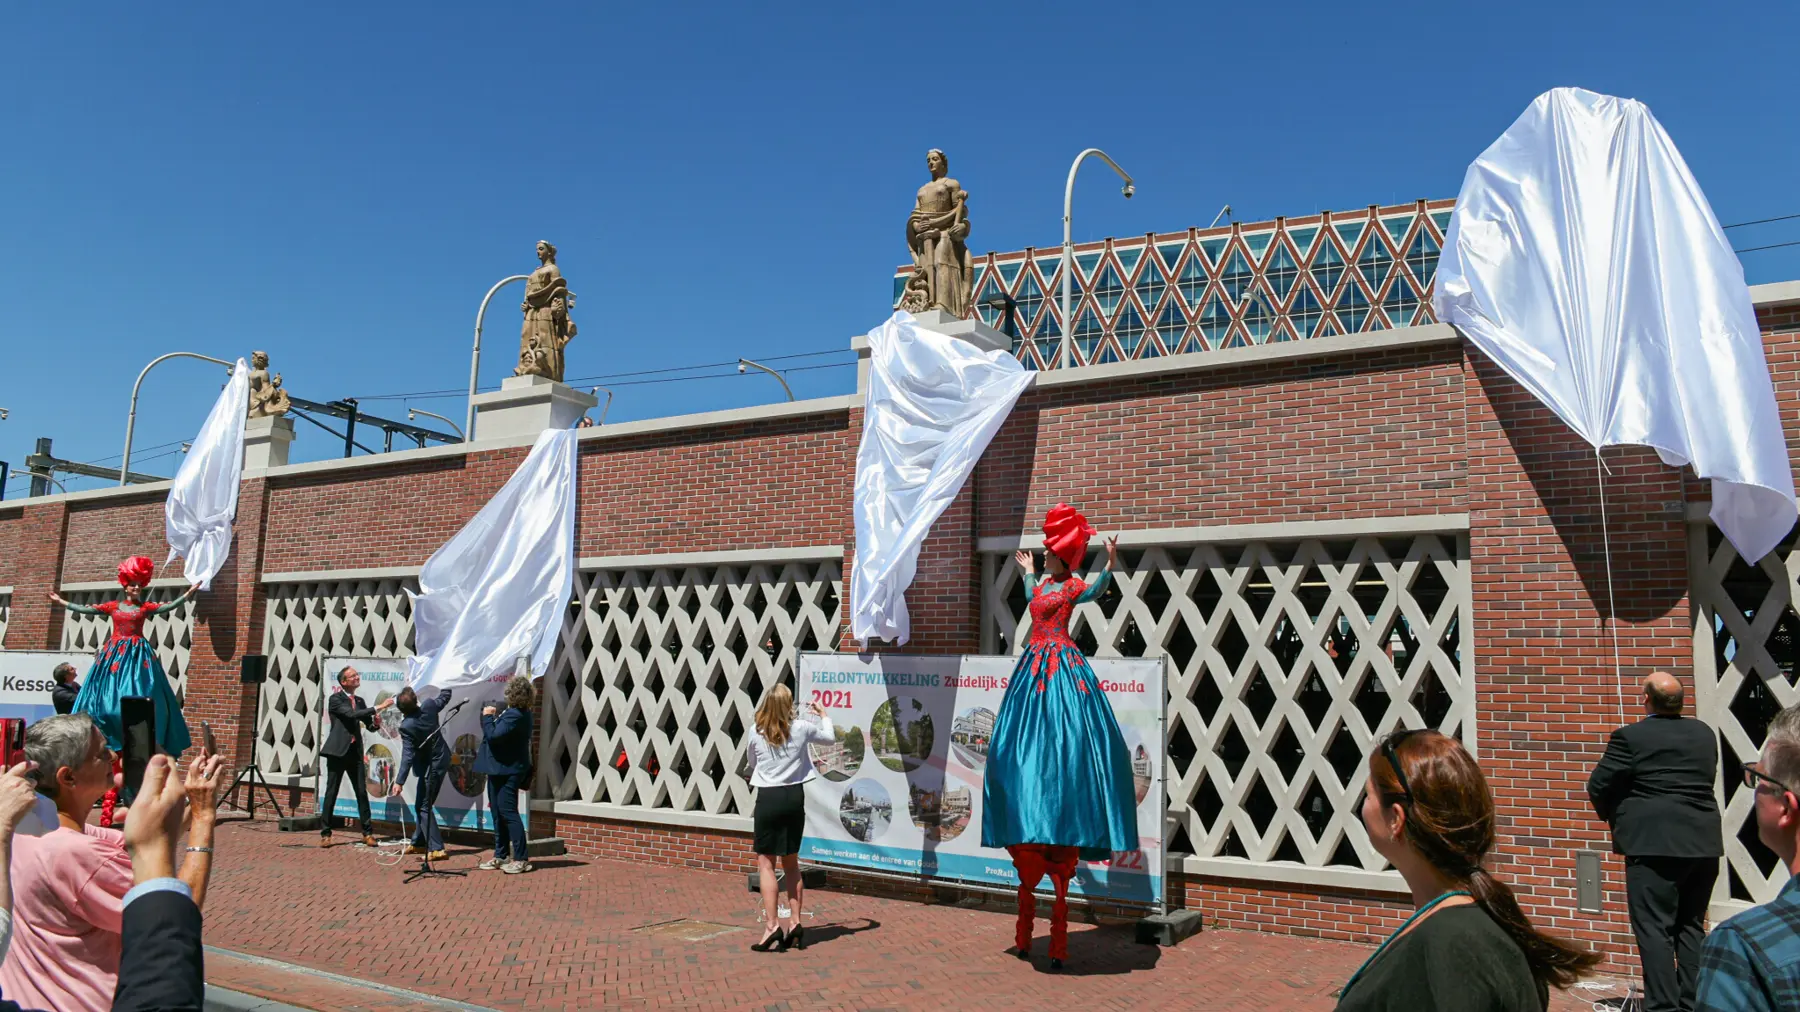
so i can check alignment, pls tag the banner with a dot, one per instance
(25, 681)
(462, 801)
(901, 789)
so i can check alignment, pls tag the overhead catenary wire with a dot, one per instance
(606, 377)
(1763, 221)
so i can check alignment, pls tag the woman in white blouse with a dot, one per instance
(782, 766)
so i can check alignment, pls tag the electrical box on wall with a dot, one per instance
(1587, 881)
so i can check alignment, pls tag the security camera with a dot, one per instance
(1129, 190)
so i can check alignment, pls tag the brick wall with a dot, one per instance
(1423, 429)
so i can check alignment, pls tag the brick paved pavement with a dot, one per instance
(580, 934)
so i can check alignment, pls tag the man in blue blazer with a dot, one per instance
(423, 751)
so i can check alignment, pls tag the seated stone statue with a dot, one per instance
(267, 399)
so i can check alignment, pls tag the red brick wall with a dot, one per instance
(1345, 437)
(1433, 429)
(101, 532)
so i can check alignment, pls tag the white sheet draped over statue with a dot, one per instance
(498, 590)
(934, 404)
(1584, 260)
(202, 503)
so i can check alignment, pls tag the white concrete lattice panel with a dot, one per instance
(169, 630)
(659, 671)
(306, 623)
(1289, 661)
(1746, 644)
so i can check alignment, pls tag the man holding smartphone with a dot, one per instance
(343, 752)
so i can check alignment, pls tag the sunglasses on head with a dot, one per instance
(1388, 745)
(1752, 775)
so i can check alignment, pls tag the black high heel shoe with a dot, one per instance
(772, 941)
(796, 938)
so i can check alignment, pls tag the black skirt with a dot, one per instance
(780, 819)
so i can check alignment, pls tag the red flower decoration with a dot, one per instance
(135, 571)
(1066, 533)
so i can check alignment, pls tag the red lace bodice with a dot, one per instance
(1050, 613)
(127, 619)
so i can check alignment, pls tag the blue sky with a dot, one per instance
(339, 184)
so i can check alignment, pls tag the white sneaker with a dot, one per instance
(516, 867)
(491, 864)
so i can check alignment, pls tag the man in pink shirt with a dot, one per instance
(69, 884)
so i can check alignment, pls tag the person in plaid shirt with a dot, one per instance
(1752, 961)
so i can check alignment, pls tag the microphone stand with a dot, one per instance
(425, 867)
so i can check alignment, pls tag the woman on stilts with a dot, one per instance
(1058, 786)
(127, 665)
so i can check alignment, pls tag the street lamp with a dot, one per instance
(1004, 304)
(743, 362)
(1062, 355)
(131, 419)
(411, 412)
(475, 358)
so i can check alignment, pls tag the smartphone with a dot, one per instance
(40, 820)
(207, 741)
(12, 733)
(138, 715)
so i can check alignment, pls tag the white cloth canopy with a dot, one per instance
(1584, 260)
(498, 590)
(934, 404)
(203, 500)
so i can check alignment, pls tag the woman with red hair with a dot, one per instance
(128, 666)
(1058, 787)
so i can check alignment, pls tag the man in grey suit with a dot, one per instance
(1654, 786)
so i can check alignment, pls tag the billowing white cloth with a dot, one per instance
(203, 500)
(934, 404)
(498, 590)
(1583, 258)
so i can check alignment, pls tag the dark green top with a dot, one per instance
(1456, 960)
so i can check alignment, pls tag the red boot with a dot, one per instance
(1060, 863)
(1028, 858)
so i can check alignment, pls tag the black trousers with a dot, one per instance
(1668, 898)
(336, 767)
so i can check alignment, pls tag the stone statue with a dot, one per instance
(267, 399)
(548, 328)
(936, 234)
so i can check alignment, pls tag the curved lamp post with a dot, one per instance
(475, 358)
(410, 412)
(131, 419)
(1062, 355)
(742, 362)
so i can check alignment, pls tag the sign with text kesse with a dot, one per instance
(899, 791)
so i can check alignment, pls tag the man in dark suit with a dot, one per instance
(63, 693)
(343, 752)
(1654, 786)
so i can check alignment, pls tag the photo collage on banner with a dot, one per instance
(900, 790)
(462, 801)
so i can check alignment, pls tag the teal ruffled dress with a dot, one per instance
(1058, 772)
(128, 666)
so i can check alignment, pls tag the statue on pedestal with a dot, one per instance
(936, 233)
(267, 399)
(548, 328)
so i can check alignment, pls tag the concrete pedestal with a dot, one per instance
(527, 405)
(973, 331)
(266, 442)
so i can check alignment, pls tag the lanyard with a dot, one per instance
(1416, 915)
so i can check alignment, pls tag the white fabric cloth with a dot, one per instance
(934, 404)
(203, 500)
(792, 762)
(1584, 260)
(499, 589)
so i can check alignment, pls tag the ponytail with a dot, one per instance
(1553, 961)
(1450, 822)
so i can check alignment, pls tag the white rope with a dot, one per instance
(1611, 619)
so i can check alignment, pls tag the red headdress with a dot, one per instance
(135, 571)
(1066, 533)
